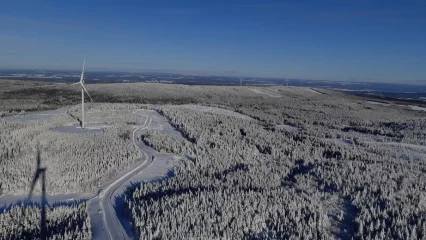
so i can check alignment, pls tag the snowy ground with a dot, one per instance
(76, 128)
(417, 108)
(6, 201)
(377, 103)
(406, 145)
(216, 110)
(288, 128)
(35, 116)
(339, 142)
(260, 92)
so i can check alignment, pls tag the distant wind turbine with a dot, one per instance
(83, 89)
(39, 172)
(287, 82)
(241, 82)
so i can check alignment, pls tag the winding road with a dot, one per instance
(106, 199)
(108, 203)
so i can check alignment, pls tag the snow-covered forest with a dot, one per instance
(76, 163)
(251, 179)
(63, 222)
(261, 162)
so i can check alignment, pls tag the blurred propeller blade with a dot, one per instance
(82, 72)
(30, 194)
(38, 159)
(87, 92)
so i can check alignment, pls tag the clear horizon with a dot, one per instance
(356, 41)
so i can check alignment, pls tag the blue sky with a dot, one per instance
(334, 40)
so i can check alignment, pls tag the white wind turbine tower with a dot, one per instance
(241, 82)
(83, 89)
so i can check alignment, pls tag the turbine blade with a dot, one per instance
(75, 83)
(30, 194)
(82, 72)
(87, 92)
(38, 159)
(33, 183)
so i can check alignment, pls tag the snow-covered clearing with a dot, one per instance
(377, 103)
(216, 110)
(7, 201)
(412, 146)
(89, 128)
(288, 128)
(417, 108)
(260, 92)
(412, 107)
(339, 142)
(35, 116)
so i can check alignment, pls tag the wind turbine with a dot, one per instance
(39, 172)
(287, 82)
(83, 89)
(241, 82)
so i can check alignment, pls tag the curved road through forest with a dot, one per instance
(109, 195)
(109, 203)
(106, 198)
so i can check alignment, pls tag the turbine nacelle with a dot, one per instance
(81, 82)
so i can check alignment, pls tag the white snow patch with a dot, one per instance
(377, 103)
(89, 128)
(29, 117)
(260, 92)
(216, 111)
(412, 107)
(339, 142)
(288, 128)
(8, 200)
(407, 145)
(417, 108)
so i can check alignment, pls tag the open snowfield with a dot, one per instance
(288, 128)
(340, 142)
(77, 129)
(263, 92)
(377, 103)
(421, 148)
(417, 108)
(29, 117)
(216, 110)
